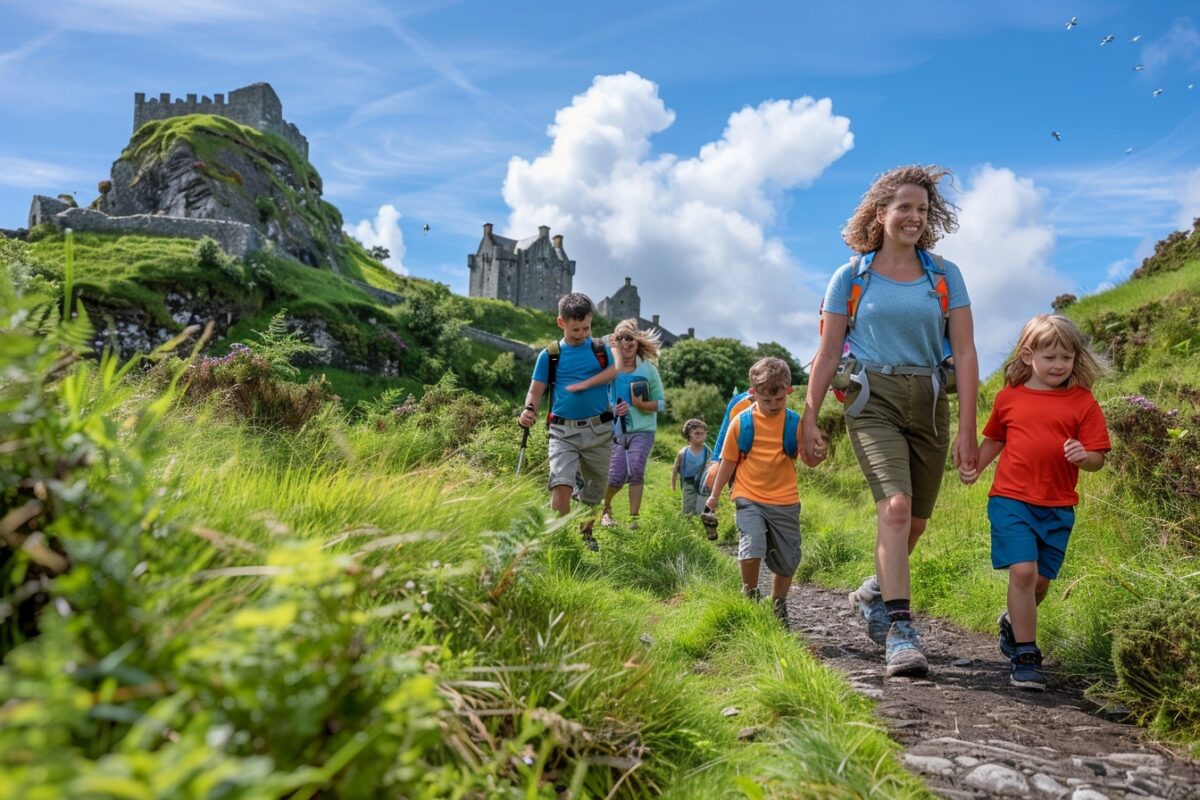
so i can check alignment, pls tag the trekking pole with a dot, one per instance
(521, 454)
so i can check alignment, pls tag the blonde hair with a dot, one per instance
(770, 373)
(863, 232)
(693, 424)
(648, 342)
(1048, 330)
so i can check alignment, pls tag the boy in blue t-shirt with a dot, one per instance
(580, 419)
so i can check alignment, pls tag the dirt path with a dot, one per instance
(970, 735)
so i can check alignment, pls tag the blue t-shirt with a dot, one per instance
(575, 363)
(619, 390)
(897, 323)
(693, 463)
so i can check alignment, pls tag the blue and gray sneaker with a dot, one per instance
(1026, 672)
(868, 601)
(1008, 642)
(904, 654)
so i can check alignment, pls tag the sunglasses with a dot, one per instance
(625, 338)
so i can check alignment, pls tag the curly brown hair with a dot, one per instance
(863, 232)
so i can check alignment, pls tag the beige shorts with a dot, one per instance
(581, 450)
(899, 448)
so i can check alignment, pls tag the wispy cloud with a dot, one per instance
(23, 51)
(1181, 43)
(27, 173)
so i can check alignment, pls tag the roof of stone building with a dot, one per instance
(526, 243)
(506, 243)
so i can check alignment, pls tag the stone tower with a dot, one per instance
(256, 106)
(533, 272)
(624, 303)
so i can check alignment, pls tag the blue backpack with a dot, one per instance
(791, 432)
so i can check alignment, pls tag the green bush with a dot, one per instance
(1156, 658)
(697, 401)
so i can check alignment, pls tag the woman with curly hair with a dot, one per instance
(637, 397)
(896, 328)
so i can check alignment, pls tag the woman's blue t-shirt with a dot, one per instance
(897, 323)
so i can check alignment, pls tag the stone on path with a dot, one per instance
(998, 780)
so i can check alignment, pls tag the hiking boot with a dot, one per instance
(606, 520)
(589, 541)
(1008, 642)
(709, 520)
(1026, 670)
(868, 601)
(751, 593)
(904, 654)
(781, 611)
(633, 523)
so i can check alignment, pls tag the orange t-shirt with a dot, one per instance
(1034, 424)
(766, 474)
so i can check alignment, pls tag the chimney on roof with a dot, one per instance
(487, 229)
(691, 333)
(629, 281)
(543, 231)
(654, 320)
(558, 242)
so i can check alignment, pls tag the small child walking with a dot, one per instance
(689, 467)
(1045, 426)
(762, 445)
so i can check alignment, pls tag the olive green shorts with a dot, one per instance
(899, 448)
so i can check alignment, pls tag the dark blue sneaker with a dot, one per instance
(1008, 642)
(1026, 672)
(868, 601)
(904, 653)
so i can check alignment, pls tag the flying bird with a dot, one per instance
(1156, 92)
(1191, 85)
(425, 229)
(1057, 136)
(1136, 38)
(1072, 22)
(1138, 68)
(1106, 40)
(1128, 150)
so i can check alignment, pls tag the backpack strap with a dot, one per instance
(791, 432)
(553, 354)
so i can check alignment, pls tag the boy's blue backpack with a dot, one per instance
(791, 432)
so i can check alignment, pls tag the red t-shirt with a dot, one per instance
(1034, 424)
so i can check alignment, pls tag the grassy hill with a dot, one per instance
(1122, 611)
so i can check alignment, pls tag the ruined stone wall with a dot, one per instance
(235, 238)
(256, 105)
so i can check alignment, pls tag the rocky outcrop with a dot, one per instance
(214, 169)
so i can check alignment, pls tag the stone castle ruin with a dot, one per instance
(256, 106)
(535, 272)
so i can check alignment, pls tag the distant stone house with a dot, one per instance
(533, 272)
(624, 303)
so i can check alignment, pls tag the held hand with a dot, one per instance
(527, 418)
(621, 408)
(813, 449)
(968, 476)
(1074, 450)
(966, 452)
(711, 502)
(575, 387)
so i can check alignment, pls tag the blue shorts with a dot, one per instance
(1024, 532)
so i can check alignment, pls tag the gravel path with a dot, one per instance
(970, 735)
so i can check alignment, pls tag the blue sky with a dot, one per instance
(711, 151)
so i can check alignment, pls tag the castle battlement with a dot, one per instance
(256, 106)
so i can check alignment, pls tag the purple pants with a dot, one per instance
(630, 452)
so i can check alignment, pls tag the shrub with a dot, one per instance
(1156, 658)
(209, 256)
(248, 385)
(1063, 301)
(499, 374)
(697, 401)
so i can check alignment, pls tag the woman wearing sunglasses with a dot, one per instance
(637, 397)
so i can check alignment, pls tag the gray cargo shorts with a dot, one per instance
(769, 532)
(583, 450)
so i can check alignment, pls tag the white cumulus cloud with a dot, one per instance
(691, 232)
(1189, 200)
(1004, 247)
(383, 230)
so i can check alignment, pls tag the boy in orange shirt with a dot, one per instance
(762, 444)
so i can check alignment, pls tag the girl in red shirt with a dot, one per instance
(1045, 426)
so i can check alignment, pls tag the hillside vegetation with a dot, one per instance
(1122, 613)
(201, 602)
